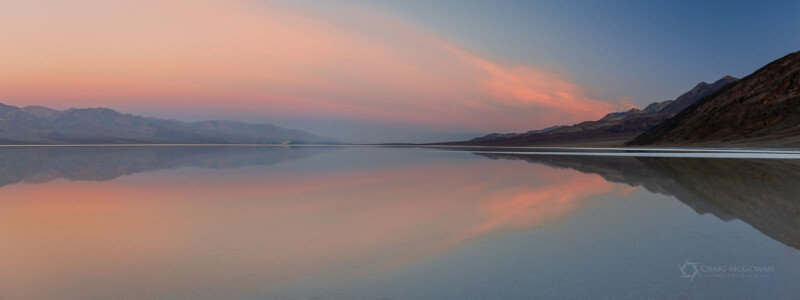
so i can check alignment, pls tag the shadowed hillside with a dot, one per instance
(614, 128)
(761, 109)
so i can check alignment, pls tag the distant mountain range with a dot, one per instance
(614, 127)
(505, 136)
(42, 125)
(762, 108)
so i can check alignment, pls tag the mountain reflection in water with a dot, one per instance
(43, 164)
(761, 192)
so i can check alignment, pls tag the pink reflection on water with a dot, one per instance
(221, 232)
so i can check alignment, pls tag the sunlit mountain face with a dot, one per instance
(255, 222)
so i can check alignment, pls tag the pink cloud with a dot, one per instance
(253, 57)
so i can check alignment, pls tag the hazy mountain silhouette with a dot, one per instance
(762, 193)
(762, 108)
(618, 126)
(42, 125)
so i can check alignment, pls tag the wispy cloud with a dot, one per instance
(264, 58)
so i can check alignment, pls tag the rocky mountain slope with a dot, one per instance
(762, 108)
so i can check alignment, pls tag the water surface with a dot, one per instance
(396, 223)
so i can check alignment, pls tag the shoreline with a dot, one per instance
(731, 152)
(392, 145)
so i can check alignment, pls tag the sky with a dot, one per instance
(381, 71)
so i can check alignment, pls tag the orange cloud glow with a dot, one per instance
(263, 58)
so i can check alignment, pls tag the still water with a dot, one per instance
(393, 223)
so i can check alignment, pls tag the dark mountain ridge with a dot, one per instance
(42, 125)
(617, 126)
(762, 108)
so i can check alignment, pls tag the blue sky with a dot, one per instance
(646, 50)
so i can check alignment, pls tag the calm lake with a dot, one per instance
(393, 223)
